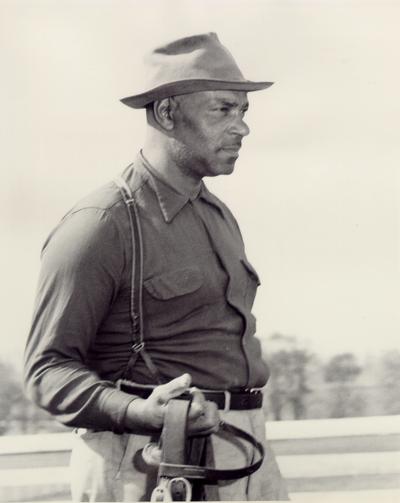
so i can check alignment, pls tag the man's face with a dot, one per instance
(208, 131)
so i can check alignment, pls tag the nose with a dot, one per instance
(240, 127)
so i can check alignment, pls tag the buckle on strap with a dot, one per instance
(137, 347)
(179, 489)
(227, 404)
(175, 489)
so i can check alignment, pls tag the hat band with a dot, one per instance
(187, 86)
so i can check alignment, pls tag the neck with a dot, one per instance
(159, 151)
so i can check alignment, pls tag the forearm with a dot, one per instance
(74, 395)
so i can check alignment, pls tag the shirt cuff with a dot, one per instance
(114, 405)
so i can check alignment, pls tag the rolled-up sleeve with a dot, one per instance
(81, 269)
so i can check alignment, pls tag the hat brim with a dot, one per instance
(191, 86)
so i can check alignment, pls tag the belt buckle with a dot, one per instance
(253, 391)
(227, 405)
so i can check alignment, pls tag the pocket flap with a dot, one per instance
(174, 283)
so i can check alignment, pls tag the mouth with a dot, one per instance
(232, 149)
(232, 146)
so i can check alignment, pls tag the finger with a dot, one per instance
(164, 392)
(152, 454)
(207, 423)
(198, 403)
(200, 430)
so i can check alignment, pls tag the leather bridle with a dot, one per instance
(175, 474)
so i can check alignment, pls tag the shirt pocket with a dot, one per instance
(174, 283)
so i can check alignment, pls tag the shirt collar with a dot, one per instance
(171, 199)
(207, 196)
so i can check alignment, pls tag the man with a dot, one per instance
(195, 290)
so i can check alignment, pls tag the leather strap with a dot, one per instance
(174, 451)
(174, 432)
(136, 303)
(212, 475)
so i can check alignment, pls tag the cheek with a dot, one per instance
(203, 145)
(207, 145)
(200, 138)
(209, 139)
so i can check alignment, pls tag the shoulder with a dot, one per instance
(93, 235)
(84, 235)
(90, 219)
(102, 209)
(108, 196)
(102, 198)
(91, 224)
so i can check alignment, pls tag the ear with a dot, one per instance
(163, 114)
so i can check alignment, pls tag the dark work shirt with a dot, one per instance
(198, 291)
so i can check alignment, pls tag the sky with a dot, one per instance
(316, 186)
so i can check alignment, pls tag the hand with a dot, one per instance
(148, 414)
(203, 415)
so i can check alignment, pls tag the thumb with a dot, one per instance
(164, 392)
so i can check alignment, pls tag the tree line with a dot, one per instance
(304, 386)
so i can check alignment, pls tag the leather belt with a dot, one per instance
(246, 399)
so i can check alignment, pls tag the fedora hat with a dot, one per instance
(188, 65)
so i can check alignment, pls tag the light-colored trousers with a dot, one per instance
(109, 467)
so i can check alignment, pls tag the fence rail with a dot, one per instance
(319, 459)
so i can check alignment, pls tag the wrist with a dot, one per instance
(139, 418)
(134, 414)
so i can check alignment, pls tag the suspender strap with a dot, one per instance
(136, 302)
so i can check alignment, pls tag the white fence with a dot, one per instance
(322, 460)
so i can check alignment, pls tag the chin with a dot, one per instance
(229, 166)
(220, 168)
(225, 170)
(229, 169)
(216, 167)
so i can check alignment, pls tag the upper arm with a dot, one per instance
(80, 273)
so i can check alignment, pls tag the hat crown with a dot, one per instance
(188, 65)
(195, 57)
